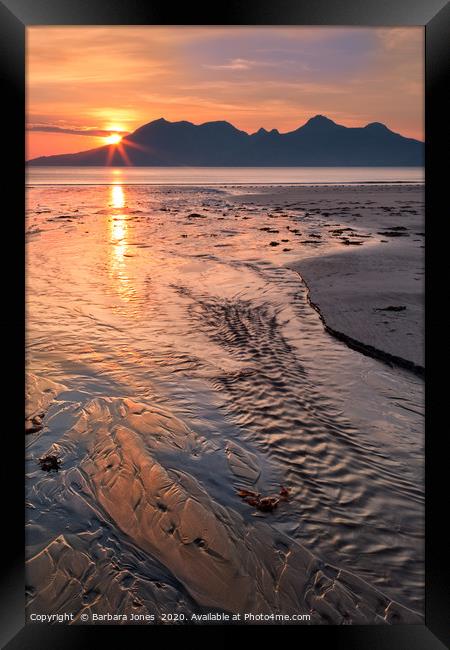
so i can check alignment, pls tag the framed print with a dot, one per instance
(218, 320)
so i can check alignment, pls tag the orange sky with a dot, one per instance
(85, 81)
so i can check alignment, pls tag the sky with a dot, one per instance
(84, 83)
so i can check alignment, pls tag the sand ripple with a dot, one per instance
(214, 558)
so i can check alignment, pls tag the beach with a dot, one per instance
(229, 379)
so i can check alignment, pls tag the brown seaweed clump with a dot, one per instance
(264, 504)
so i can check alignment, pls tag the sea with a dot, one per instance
(222, 175)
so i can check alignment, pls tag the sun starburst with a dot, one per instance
(114, 138)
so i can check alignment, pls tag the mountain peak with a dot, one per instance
(151, 125)
(218, 123)
(261, 132)
(320, 120)
(378, 126)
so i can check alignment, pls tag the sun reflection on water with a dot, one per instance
(118, 238)
(117, 196)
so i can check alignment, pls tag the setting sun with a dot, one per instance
(114, 138)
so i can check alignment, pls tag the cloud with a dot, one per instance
(234, 64)
(92, 132)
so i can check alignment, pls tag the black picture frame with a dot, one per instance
(15, 16)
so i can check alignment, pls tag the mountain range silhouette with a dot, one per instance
(319, 142)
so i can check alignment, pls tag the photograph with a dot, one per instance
(225, 325)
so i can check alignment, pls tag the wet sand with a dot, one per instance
(373, 300)
(215, 559)
(175, 360)
(372, 296)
